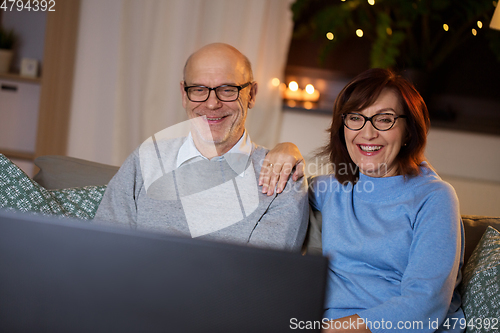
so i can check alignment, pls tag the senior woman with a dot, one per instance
(390, 226)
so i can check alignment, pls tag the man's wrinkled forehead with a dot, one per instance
(217, 60)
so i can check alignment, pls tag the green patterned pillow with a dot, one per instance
(481, 285)
(20, 193)
(80, 202)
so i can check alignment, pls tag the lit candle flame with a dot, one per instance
(310, 89)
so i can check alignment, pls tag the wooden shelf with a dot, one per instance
(19, 78)
(20, 155)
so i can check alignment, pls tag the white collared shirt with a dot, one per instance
(237, 157)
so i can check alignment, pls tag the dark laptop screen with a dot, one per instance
(59, 275)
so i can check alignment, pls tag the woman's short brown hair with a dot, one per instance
(361, 93)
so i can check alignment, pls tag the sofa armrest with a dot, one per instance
(475, 226)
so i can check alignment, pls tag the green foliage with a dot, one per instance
(404, 33)
(385, 47)
(7, 39)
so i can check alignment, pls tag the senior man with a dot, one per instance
(205, 184)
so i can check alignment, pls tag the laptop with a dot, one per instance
(64, 275)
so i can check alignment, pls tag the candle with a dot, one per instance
(310, 94)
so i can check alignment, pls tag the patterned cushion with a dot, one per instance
(80, 202)
(481, 283)
(20, 193)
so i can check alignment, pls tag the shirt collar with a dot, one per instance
(237, 157)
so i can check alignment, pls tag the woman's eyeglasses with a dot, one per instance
(380, 121)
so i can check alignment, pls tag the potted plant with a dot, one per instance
(403, 34)
(7, 41)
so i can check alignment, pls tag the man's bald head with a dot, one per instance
(221, 51)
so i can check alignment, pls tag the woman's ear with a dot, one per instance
(253, 94)
(407, 139)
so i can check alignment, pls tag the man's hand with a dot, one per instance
(278, 166)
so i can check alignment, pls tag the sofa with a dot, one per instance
(74, 187)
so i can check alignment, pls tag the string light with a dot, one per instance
(479, 24)
(474, 32)
(446, 27)
(359, 33)
(389, 31)
(371, 2)
(330, 36)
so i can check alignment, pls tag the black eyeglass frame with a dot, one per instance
(370, 119)
(215, 91)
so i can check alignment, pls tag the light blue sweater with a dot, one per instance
(395, 247)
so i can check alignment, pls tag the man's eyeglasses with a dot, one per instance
(381, 121)
(225, 93)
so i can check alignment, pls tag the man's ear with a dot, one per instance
(184, 95)
(253, 94)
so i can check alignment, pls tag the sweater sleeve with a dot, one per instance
(284, 223)
(118, 205)
(430, 278)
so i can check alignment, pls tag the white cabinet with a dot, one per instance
(19, 103)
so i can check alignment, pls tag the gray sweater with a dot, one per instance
(206, 200)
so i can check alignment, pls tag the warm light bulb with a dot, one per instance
(310, 89)
(371, 2)
(474, 32)
(359, 33)
(293, 86)
(275, 82)
(446, 27)
(479, 24)
(389, 31)
(330, 36)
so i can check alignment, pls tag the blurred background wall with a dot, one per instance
(130, 54)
